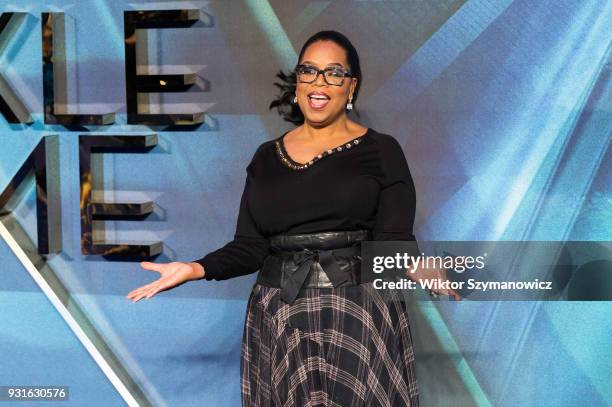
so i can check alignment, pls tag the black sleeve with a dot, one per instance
(397, 198)
(243, 255)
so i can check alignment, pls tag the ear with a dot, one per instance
(353, 86)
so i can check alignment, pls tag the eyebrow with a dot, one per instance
(330, 64)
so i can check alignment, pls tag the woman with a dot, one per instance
(314, 332)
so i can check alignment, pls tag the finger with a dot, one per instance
(137, 298)
(135, 293)
(152, 293)
(137, 290)
(456, 295)
(448, 292)
(147, 265)
(140, 289)
(141, 295)
(162, 286)
(143, 291)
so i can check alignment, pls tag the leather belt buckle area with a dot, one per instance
(319, 268)
(317, 278)
(328, 259)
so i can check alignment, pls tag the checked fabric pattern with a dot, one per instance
(343, 347)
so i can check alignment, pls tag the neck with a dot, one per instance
(320, 133)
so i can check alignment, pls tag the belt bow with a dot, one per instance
(304, 259)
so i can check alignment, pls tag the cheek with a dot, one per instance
(341, 93)
(339, 98)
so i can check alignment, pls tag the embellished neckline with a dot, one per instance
(294, 165)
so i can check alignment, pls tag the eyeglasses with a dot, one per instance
(333, 76)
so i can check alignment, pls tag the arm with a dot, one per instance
(245, 253)
(397, 197)
(396, 210)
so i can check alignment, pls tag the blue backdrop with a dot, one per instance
(504, 111)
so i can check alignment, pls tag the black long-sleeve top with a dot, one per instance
(363, 184)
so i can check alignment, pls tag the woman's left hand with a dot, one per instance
(440, 274)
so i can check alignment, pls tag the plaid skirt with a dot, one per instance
(346, 347)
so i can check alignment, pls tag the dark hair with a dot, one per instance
(284, 102)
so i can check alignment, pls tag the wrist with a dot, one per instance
(198, 270)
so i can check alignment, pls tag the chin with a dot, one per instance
(319, 120)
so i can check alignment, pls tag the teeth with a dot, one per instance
(319, 97)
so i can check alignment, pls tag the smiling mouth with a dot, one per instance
(318, 102)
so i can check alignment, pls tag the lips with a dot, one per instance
(318, 100)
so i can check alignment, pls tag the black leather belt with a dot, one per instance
(313, 260)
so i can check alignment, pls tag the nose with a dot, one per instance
(320, 80)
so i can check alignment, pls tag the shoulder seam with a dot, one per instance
(261, 147)
(387, 138)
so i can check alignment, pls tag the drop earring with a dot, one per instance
(295, 99)
(349, 105)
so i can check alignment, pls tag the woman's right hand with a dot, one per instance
(172, 275)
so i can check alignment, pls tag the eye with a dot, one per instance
(306, 69)
(337, 73)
